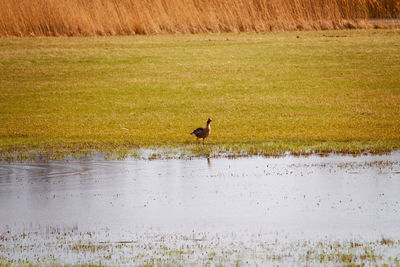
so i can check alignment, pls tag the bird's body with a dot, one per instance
(203, 132)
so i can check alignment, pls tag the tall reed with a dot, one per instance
(118, 17)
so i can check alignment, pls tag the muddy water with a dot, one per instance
(229, 203)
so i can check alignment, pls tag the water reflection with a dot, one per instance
(303, 198)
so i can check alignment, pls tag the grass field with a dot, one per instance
(266, 93)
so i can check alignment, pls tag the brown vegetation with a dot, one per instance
(120, 17)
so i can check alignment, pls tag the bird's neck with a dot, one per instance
(208, 126)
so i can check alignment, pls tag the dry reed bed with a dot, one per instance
(120, 17)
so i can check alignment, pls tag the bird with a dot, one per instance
(203, 132)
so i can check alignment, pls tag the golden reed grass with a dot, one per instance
(120, 17)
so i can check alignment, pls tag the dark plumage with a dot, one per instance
(203, 132)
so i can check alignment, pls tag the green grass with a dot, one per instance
(320, 91)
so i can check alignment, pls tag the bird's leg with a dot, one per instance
(203, 141)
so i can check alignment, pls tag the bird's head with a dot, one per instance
(209, 120)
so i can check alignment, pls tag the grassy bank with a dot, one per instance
(267, 93)
(117, 17)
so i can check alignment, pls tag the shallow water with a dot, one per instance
(222, 203)
(383, 20)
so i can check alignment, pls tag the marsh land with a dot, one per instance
(139, 97)
(334, 210)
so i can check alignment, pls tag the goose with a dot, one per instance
(203, 132)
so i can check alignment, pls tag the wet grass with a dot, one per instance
(307, 92)
(76, 248)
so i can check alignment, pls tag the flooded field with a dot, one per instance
(304, 210)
